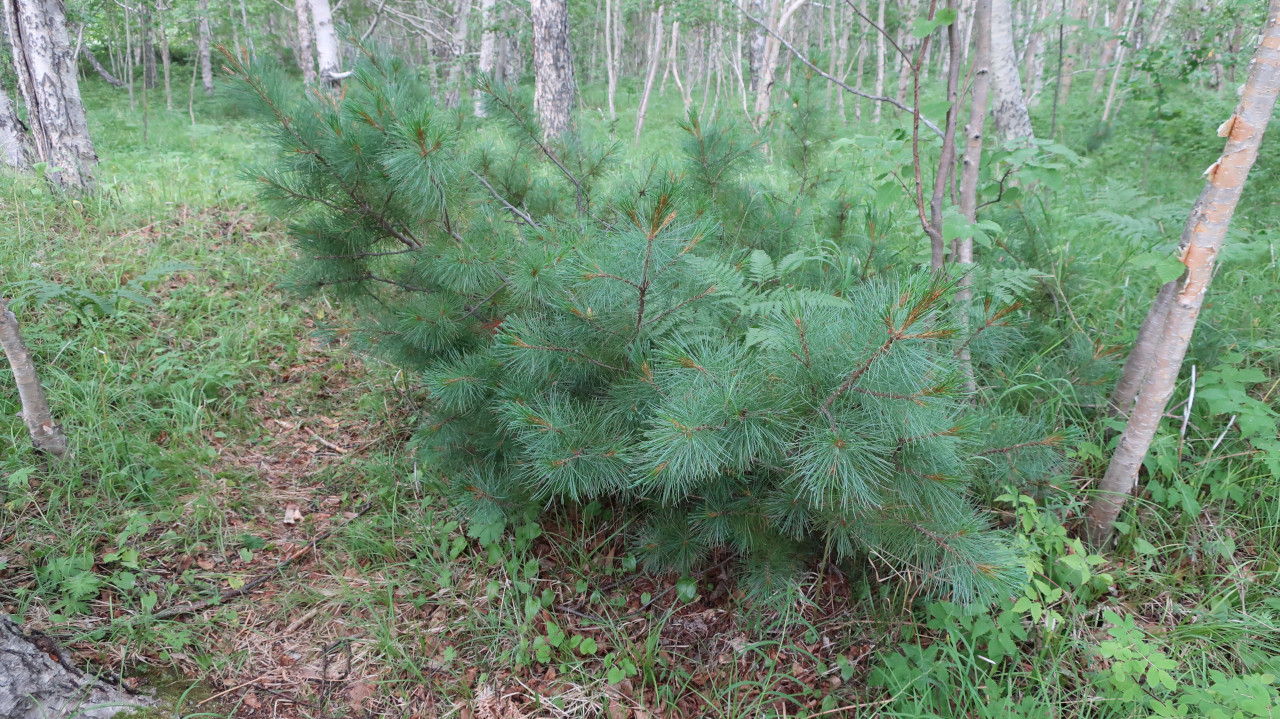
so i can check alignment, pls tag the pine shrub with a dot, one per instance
(683, 339)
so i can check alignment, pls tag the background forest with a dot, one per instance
(607, 358)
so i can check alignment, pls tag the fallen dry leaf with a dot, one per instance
(358, 694)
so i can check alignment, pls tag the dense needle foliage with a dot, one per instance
(681, 339)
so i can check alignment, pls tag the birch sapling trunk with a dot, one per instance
(1201, 241)
(306, 46)
(202, 48)
(1109, 47)
(46, 434)
(1010, 110)
(487, 37)
(1079, 15)
(164, 59)
(755, 50)
(554, 87)
(947, 158)
(768, 70)
(15, 145)
(1120, 57)
(880, 62)
(146, 22)
(326, 43)
(655, 51)
(457, 53)
(46, 70)
(969, 173)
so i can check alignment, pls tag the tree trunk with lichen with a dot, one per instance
(38, 681)
(1201, 240)
(46, 70)
(554, 87)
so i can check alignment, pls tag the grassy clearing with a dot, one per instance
(216, 435)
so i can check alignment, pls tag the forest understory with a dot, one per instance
(392, 389)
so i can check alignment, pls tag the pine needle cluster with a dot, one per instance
(676, 339)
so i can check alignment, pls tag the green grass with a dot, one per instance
(198, 416)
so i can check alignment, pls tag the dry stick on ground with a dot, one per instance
(46, 435)
(1202, 239)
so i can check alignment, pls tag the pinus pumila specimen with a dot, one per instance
(667, 338)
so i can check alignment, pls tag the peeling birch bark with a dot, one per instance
(46, 69)
(1201, 240)
(37, 681)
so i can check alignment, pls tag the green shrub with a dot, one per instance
(676, 337)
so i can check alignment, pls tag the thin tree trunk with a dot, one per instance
(1010, 111)
(1201, 241)
(1109, 47)
(88, 55)
(15, 144)
(554, 85)
(972, 164)
(248, 31)
(1079, 13)
(164, 58)
(46, 70)
(306, 46)
(128, 55)
(685, 94)
(610, 69)
(457, 53)
(880, 63)
(146, 41)
(326, 43)
(46, 435)
(755, 50)
(655, 51)
(947, 158)
(202, 48)
(487, 38)
(1120, 56)
(764, 93)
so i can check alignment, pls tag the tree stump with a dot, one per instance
(37, 681)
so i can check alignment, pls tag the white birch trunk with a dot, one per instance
(655, 51)
(15, 145)
(326, 42)
(1201, 241)
(306, 46)
(202, 48)
(486, 61)
(46, 69)
(457, 53)
(1010, 111)
(554, 85)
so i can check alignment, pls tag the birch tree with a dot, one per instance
(202, 47)
(488, 37)
(326, 42)
(46, 70)
(15, 145)
(1173, 317)
(1010, 109)
(554, 87)
(306, 47)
